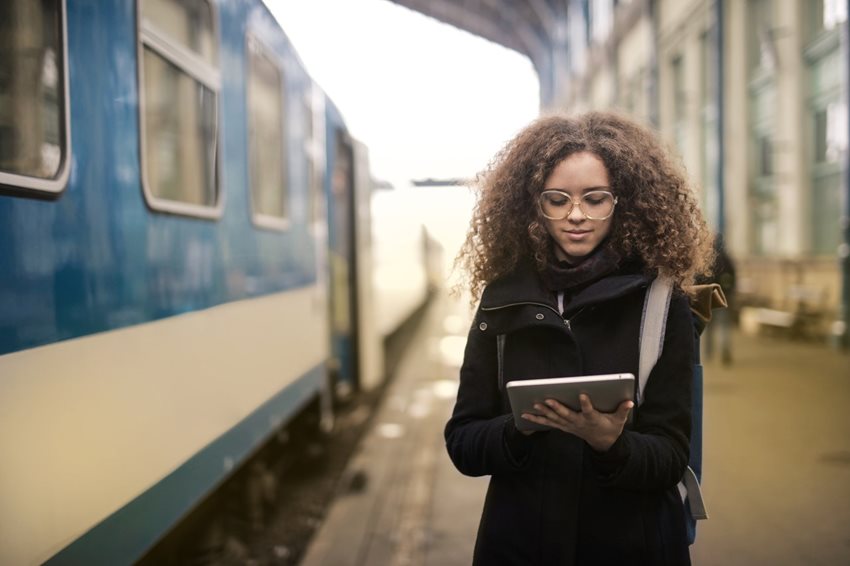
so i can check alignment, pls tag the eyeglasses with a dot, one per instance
(595, 205)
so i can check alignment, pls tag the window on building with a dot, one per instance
(764, 202)
(821, 128)
(578, 35)
(710, 150)
(601, 20)
(825, 15)
(826, 212)
(834, 13)
(266, 137)
(765, 226)
(830, 144)
(761, 47)
(34, 129)
(680, 111)
(180, 83)
(765, 156)
(828, 122)
(764, 206)
(830, 132)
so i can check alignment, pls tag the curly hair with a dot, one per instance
(657, 220)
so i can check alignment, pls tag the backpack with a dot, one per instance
(653, 324)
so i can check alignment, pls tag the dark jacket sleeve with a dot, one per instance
(480, 437)
(653, 453)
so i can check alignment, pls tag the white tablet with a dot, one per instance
(606, 392)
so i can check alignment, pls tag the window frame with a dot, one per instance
(316, 155)
(821, 95)
(267, 221)
(762, 177)
(197, 69)
(53, 187)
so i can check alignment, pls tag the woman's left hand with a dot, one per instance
(599, 430)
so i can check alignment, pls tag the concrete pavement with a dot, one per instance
(776, 471)
(777, 456)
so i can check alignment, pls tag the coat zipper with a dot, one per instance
(567, 320)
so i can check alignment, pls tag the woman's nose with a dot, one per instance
(576, 214)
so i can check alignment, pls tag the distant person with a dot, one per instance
(720, 328)
(575, 217)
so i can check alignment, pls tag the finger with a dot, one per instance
(537, 419)
(624, 409)
(534, 418)
(560, 411)
(531, 418)
(586, 405)
(545, 410)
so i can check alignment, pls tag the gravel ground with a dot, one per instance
(267, 512)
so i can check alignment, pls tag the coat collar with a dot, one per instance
(524, 286)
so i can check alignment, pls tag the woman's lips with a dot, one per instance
(577, 235)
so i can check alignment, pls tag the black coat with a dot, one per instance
(552, 499)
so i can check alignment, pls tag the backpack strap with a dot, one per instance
(653, 324)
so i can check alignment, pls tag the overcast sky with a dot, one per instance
(428, 99)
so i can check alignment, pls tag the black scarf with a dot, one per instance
(562, 276)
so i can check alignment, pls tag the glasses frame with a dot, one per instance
(573, 202)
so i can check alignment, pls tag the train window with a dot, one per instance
(34, 127)
(314, 117)
(187, 22)
(266, 139)
(179, 106)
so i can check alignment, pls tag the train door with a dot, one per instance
(342, 265)
(370, 351)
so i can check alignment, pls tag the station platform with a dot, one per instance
(401, 501)
(776, 470)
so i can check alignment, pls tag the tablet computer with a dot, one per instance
(606, 392)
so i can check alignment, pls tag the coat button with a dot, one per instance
(483, 326)
(539, 316)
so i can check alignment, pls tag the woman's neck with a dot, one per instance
(572, 261)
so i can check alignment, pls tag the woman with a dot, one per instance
(575, 218)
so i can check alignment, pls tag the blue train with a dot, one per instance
(184, 263)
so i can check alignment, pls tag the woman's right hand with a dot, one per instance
(599, 430)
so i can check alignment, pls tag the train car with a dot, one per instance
(184, 263)
(400, 255)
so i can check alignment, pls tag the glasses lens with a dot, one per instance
(597, 204)
(555, 204)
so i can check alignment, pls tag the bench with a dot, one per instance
(802, 317)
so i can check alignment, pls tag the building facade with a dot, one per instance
(751, 95)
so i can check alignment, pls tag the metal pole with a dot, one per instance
(654, 111)
(721, 186)
(844, 247)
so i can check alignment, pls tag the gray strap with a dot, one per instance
(652, 327)
(689, 486)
